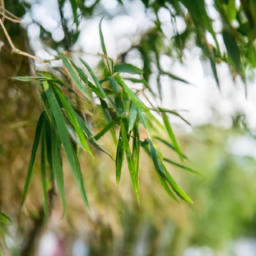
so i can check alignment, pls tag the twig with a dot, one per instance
(9, 13)
(14, 49)
(8, 18)
(2, 7)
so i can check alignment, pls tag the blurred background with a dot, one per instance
(220, 143)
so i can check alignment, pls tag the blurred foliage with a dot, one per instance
(78, 107)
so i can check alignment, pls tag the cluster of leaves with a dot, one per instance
(60, 124)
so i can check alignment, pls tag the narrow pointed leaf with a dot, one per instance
(136, 148)
(43, 173)
(4, 218)
(70, 114)
(74, 10)
(169, 145)
(127, 68)
(171, 135)
(33, 155)
(74, 76)
(175, 186)
(181, 166)
(57, 166)
(132, 95)
(107, 127)
(119, 157)
(132, 116)
(64, 136)
(130, 160)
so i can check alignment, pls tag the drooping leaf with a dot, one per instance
(181, 166)
(63, 132)
(119, 157)
(74, 10)
(84, 77)
(33, 155)
(132, 95)
(129, 159)
(57, 166)
(136, 148)
(163, 110)
(70, 114)
(169, 145)
(43, 172)
(74, 76)
(132, 116)
(175, 186)
(4, 218)
(171, 134)
(127, 68)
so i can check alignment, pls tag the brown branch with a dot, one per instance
(14, 49)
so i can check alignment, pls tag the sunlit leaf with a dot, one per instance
(132, 116)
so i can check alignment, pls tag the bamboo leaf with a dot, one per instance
(130, 160)
(74, 8)
(119, 157)
(163, 110)
(132, 95)
(102, 39)
(74, 76)
(84, 77)
(107, 127)
(70, 114)
(57, 166)
(33, 155)
(63, 132)
(4, 218)
(171, 134)
(181, 166)
(169, 145)
(175, 186)
(136, 148)
(127, 68)
(132, 116)
(43, 173)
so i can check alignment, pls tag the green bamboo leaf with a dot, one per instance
(163, 110)
(63, 132)
(169, 145)
(174, 77)
(74, 76)
(130, 160)
(4, 218)
(48, 139)
(84, 77)
(70, 114)
(108, 117)
(74, 9)
(119, 157)
(233, 50)
(143, 120)
(175, 186)
(107, 127)
(181, 166)
(127, 68)
(136, 148)
(132, 95)
(171, 134)
(43, 173)
(140, 81)
(132, 116)
(99, 85)
(57, 166)
(102, 39)
(89, 134)
(33, 155)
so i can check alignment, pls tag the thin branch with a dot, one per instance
(9, 13)
(2, 7)
(2, 12)
(14, 49)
